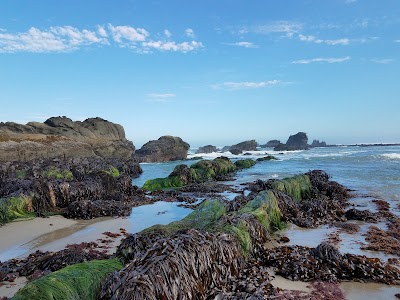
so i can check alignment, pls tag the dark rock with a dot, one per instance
(250, 145)
(295, 142)
(317, 143)
(60, 137)
(166, 148)
(207, 149)
(271, 144)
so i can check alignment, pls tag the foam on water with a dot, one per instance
(391, 155)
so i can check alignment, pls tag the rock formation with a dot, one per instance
(250, 145)
(295, 142)
(207, 149)
(317, 143)
(60, 137)
(271, 144)
(166, 148)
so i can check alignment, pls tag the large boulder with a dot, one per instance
(271, 144)
(166, 148)
(297, 141)
(250, 145)
(207, 149)
(60, 137)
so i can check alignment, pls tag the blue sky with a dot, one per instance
(214, 72)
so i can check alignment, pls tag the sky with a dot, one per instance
(211, 72)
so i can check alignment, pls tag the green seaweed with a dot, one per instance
(298, 187)
(203, 218)
(55, 173)
(15, 208)
(266, 158)
(163, 183)
(80, 281)
(244, 163)
(112, 171)
(21, 174)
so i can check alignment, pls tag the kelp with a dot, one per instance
(245, 163)
(297, 187)
(80, 281)
(15, 208)
(183, 266)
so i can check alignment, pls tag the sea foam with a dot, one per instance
(391, 155)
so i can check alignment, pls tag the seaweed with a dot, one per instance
(15, 208)
(297, 187)
(80, 281)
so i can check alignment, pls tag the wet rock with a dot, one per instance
(207, 149)
(271, 144)
(360, 215)
(166, 148)
(295, 142)
(250, 145)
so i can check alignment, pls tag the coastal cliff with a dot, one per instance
(60, 137)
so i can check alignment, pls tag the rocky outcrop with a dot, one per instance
(317, 143)
(295, 142)
(166, 148)
(250, 145)
(207, 149)
(60, 137)
(271, 144)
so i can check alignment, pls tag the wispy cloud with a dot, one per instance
(350, 1)
(161, 95)
(190, 33)
(313, 39)
(330, 60)
(67, 38)
(242, 44)
(396, 41)
(383, 61)
(245, 85)
(287, 28)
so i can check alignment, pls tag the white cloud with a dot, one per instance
(396, 41)
(189, 33)
(161, 96)
(246, 85)
(121, 34)
(167, 33)
(284, 27)
(171, 46)
(56, 39)
(313, 39)
(68, 38)
(322, 60)
(102, 32)
(383, 61)
(243, 44)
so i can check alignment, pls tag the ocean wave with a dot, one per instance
(391, 155)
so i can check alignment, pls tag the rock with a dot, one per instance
(317, 143)
(166, 148)
(271, 144)
(60, 137)
(250, 145)
(207, 149)
(295, 142)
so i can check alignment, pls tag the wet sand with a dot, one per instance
(15, 237)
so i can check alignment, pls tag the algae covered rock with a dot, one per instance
(266, 158)
(166, 148)
(244, 163)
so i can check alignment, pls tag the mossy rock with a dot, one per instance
(297, 187)
(163, 183)
(267, 158)
(15, 208)
(80, 281)
(245, 163)
(210, 169)
(55, 173)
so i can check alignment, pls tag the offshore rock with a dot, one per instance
(166, 148)
(295, 142)
(207, 149)
(317, 143)
(60, 137)
(271, 144)
(250, 145)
